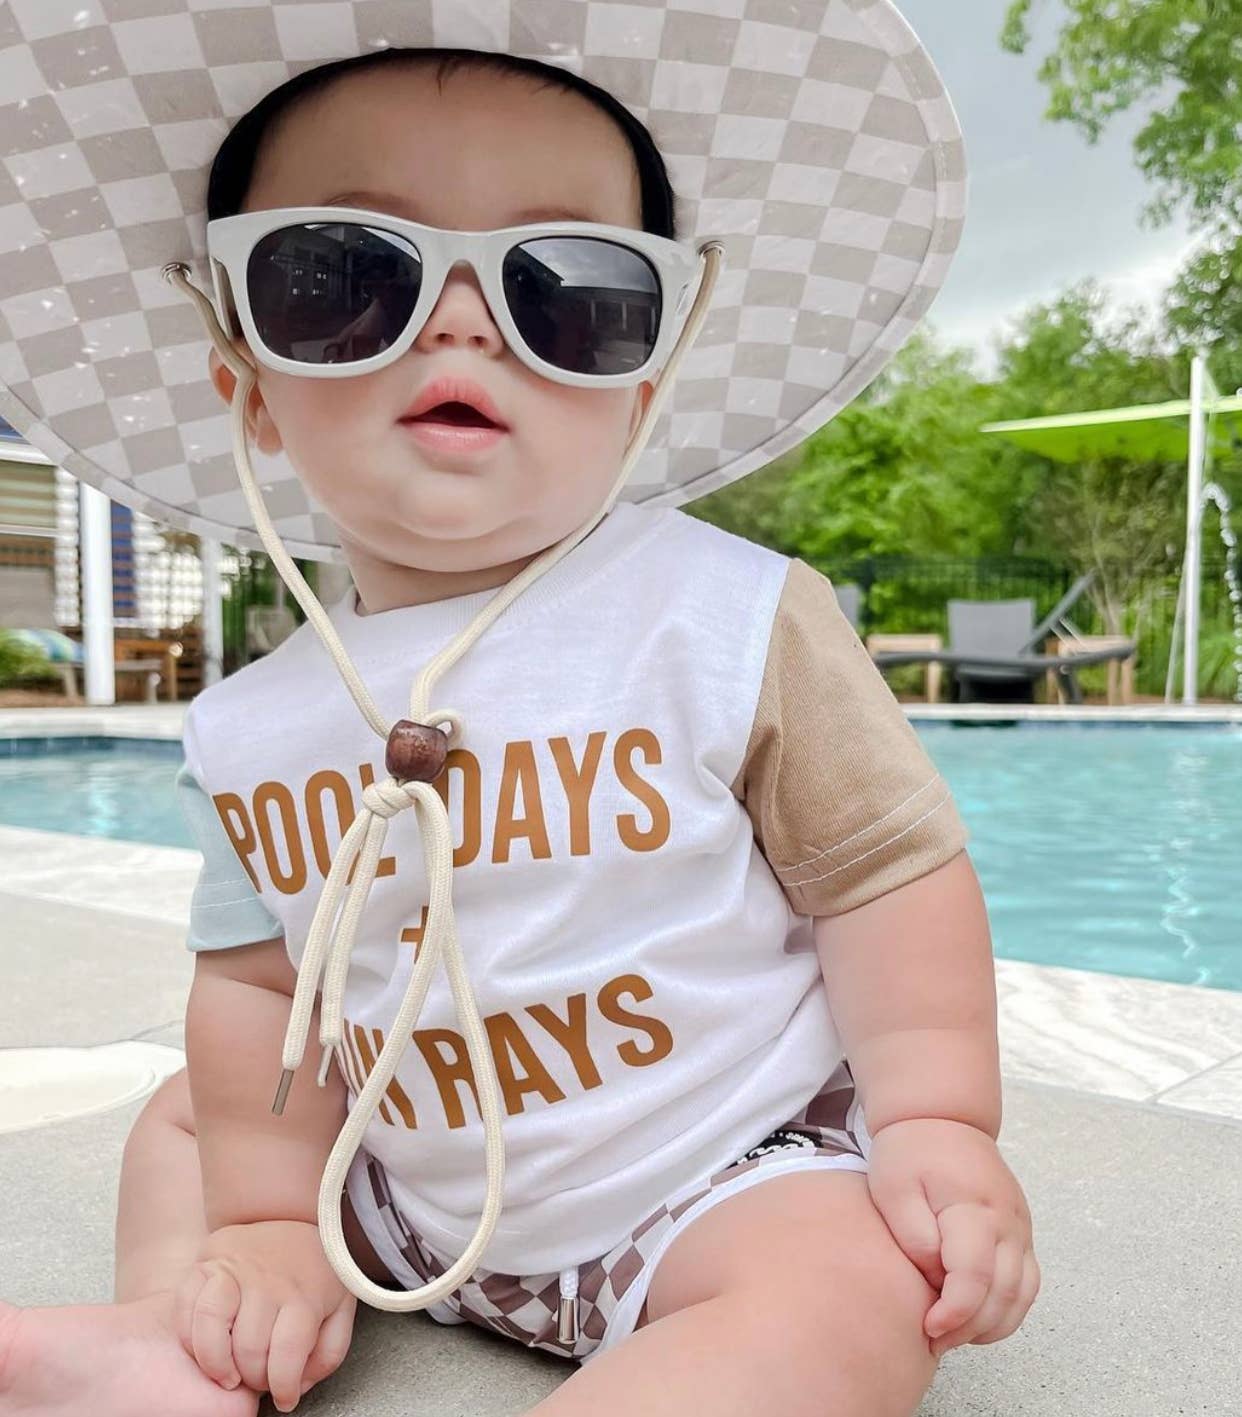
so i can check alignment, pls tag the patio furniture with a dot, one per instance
(849, 598)
(266, 627)
(992, 649)
(877, 644)
(167, 653)
(27, 604)
(1120, 674)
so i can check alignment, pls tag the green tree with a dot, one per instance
(1186, 56)
(1203, 307)
(1069, 355)
(1186, 53)
(903, 470)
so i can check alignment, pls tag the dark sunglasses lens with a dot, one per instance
(332, 292)
(587, 305)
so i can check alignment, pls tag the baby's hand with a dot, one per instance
(958, 1212)
(263, 1306)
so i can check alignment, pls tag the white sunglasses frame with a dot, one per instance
(231, 239)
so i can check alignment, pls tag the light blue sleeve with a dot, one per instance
(225, 909)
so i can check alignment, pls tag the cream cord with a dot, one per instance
(331, 940)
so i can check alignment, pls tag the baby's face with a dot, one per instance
(481, 153)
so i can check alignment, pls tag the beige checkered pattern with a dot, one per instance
(524, 1308)
(814, 140)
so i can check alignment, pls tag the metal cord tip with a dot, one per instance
(567, 1319)
(286, 1082)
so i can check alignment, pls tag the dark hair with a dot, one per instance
(233, 167)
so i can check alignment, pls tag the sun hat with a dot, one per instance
(819, 175)
(814, 141)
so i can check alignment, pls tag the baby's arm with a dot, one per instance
(912, 991)
(261, 1304)
(255, 1165)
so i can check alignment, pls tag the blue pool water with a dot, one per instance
(1116, 849)
(95, 787)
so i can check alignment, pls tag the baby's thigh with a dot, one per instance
(809, 1255)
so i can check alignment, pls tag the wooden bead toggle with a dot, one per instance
(415, 751)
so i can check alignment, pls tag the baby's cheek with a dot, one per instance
(585, 451)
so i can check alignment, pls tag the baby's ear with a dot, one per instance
(259, 426)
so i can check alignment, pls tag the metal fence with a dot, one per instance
(899, 594)
(911, 594)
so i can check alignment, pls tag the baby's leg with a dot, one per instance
(790, 1298)
(125, 1358)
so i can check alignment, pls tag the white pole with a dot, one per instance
(213, 620)
(1194, 529)
(95, 540)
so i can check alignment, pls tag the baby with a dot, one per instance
(730, 952)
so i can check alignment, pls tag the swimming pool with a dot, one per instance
(1116, 849)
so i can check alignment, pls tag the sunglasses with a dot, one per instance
(329, 292)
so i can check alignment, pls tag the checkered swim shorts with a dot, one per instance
(829, 1133)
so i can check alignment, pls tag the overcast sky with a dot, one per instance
(1045, 208)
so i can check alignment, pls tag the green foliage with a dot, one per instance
(1218, 648)
(905, 472)
(905, 469)
(901, 470)
(1182, 59)
(1068, 355)
(22, 664)
(1203, 308)
(1185, 53)
(1123, 519)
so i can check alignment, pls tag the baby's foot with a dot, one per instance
(112, 1360)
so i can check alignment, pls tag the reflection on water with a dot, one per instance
(1110, 849)
(124, 792)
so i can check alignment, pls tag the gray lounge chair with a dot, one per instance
(993, 649)
(849, 598)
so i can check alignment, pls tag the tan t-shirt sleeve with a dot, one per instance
(845, 802)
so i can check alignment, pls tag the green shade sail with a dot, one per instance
(1154, 432)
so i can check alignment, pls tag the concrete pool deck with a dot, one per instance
(1123, 1121)
(163, 720)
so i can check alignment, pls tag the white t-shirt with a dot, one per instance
(675, 751)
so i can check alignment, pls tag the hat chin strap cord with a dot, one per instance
(416, 751)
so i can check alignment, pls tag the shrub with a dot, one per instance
(23, 664)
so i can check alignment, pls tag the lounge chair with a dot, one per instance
(994, 653)
(849, 598)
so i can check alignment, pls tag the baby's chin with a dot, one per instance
(423, 504)
(443, 519)
(446, 539)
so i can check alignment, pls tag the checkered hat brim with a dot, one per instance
(815, 140)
